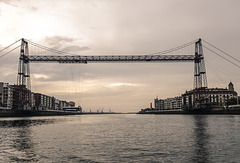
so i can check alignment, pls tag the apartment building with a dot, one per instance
(6, 96)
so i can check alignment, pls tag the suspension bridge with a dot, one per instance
(172, 55)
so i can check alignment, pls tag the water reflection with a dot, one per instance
(17, 139)
(25, 122)
(201, 139)
(23, 143)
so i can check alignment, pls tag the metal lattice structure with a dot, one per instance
(22, 91)
(200, 79)
(87, 59)
(23, 66)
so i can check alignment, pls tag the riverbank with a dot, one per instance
(11, 113)
(216, 110)
(25, 113)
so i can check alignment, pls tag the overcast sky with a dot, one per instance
(113, 27)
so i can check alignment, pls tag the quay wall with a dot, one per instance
(214, 110)
(10, 113)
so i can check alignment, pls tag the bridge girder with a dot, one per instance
(134, 58)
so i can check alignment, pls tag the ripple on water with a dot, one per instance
(120, 138)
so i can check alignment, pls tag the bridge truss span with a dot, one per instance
(121, 58)
(44, 54)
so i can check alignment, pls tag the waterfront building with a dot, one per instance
(62, 104)
(159, 104)
(6, 96)
(39, 101)
(56, 104)
(71, 108)
(168, 104)
(216, 96)
(177, 102)
(18, 97)
(32, 100)
(173, 103)
(49, 103)
(21, 98)
(43, 102)
(71, 103)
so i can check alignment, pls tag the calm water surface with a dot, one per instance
(121, 138)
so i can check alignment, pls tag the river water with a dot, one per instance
(121, 138)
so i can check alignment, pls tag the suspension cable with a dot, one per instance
(220, 69)
(48, 49)
(9, 46)
(158, 53)
(221, 56)
(175, 49)
(9, 51)
(222, 51)
(214, 71)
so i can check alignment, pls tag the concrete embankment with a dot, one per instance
(180, 111)
(10, 113)
(214, 110)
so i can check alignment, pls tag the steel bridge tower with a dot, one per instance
(200, 78)
(22, 91)
(23, 66)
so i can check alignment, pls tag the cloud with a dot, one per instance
(75, 48)
(122, 84)
(18, 4)
(33, 9)
(56, 42)
(40, 76)
(8, 2)
(64, 43)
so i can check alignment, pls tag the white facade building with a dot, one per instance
(216, 96)
(168, 104)
(6, 96)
